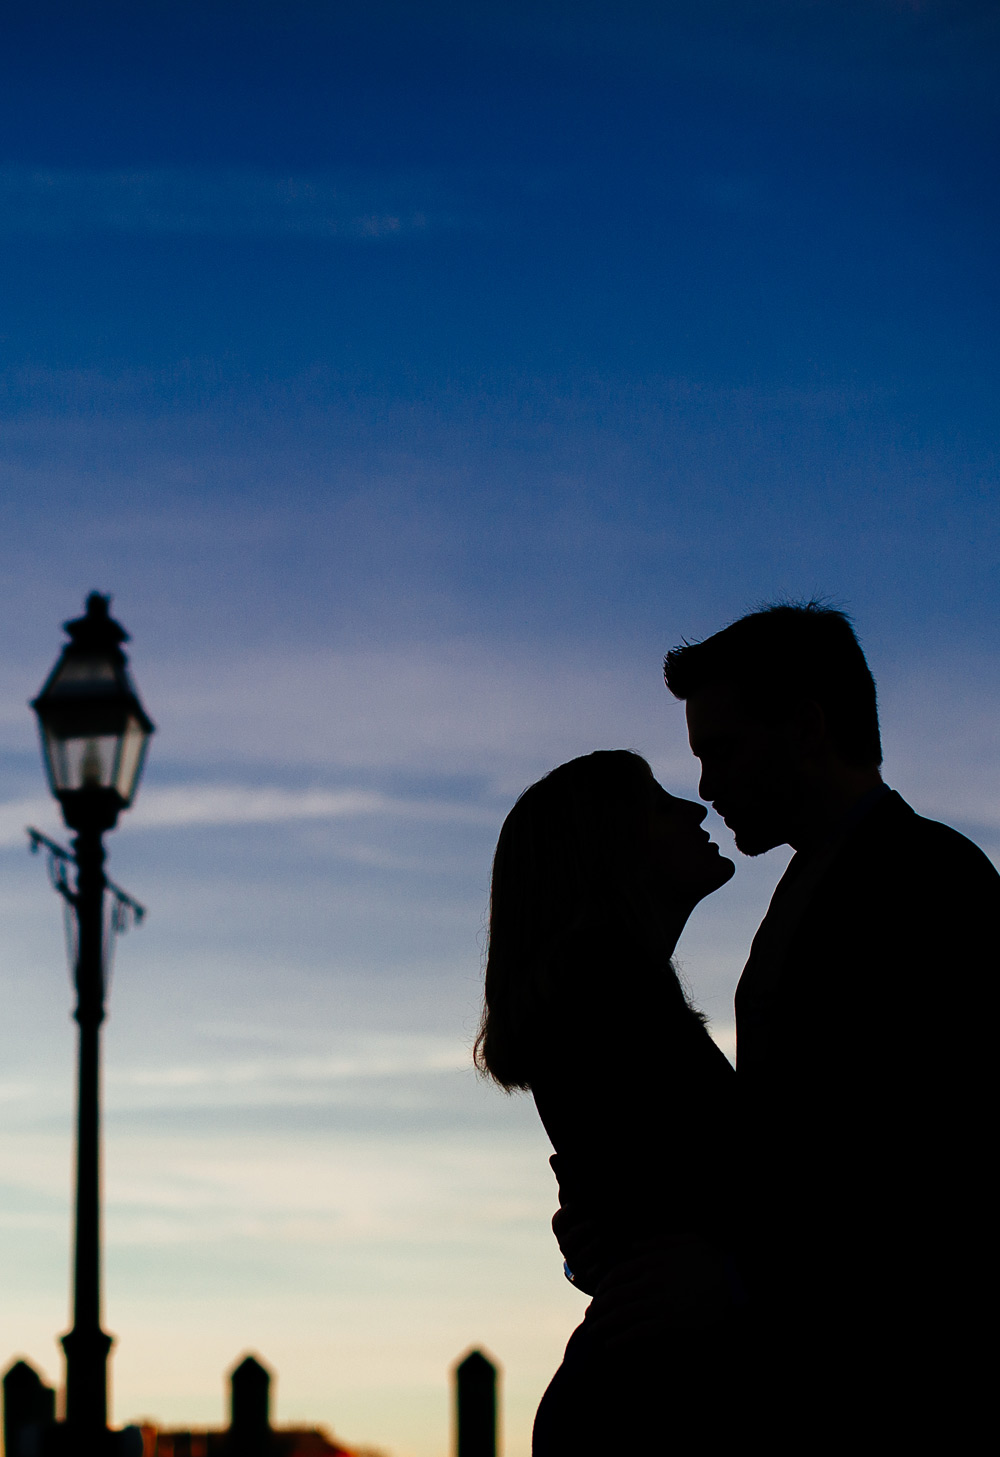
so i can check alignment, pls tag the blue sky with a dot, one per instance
(414, 376)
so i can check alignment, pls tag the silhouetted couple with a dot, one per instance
(793, 1256)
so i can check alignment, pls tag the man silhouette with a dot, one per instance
(864, 1092)
(864, 1089)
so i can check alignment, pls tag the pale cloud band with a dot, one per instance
(183, 806)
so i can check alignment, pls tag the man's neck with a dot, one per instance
(830, 803)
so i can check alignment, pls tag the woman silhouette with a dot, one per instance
(597, 869)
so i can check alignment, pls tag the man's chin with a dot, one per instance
(756, 842)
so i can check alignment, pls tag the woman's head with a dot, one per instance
(591, 854)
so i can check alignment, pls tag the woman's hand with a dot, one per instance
(583, 1247)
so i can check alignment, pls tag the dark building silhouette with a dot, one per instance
(250, 1433)
(29, 1411)
(250, 1410)
(30, 1428)
(476, 1406)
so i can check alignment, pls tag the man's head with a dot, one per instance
(782, 713)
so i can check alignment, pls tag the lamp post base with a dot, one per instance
(87, 1354)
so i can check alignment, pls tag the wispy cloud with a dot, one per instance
(228, 804)
(283, 1079)
(454, 706)
(466, 707)
(235, 804)
(212, 1188)
(206, 202)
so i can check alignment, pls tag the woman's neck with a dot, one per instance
(673, 917)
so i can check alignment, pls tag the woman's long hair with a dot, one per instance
(570, 877)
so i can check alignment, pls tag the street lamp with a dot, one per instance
(94, 734)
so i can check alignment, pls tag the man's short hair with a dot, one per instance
(787, 653)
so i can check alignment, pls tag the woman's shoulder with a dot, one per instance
(604, 982)
(622, 1021)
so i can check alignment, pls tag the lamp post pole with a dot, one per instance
(87, 1346)
(94, 732)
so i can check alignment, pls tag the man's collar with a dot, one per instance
(858, 811)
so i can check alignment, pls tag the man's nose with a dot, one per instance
(706, 787)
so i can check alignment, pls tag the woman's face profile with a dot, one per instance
(686, 863)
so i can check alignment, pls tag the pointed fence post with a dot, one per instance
(29, 1409)
(476, 1406)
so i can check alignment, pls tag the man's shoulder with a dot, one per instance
(893, 828)
(903, 898)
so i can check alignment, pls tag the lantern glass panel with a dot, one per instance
(84, 761)
(130, 756)
(78, 673)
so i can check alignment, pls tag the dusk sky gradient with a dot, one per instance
(414, 376)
